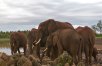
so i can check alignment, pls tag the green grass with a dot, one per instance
(4, 42)
(99, 35)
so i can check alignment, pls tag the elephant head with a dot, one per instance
(43, 31)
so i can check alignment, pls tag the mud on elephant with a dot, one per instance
(18, 40)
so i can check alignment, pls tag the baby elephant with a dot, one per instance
(94, 54)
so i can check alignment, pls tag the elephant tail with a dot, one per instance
(81, 48)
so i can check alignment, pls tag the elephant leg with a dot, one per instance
(12, 52)
(12, 48)
(48, 52)
(87, 58)
(60, 48)
(95, 58)
(90, 56)
(30, 48)
(38, 50)
(19, 51)
(75, 60)
(80, 54)
(25, 48)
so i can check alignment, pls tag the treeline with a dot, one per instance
(7, 34)
(4, 34)
(98, 27)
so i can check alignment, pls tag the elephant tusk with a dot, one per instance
(38, 41)
(45, 50)
(34, 41)
(33, 46)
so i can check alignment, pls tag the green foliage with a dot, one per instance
(4, 40)
(94, 27)
(4, 34)
(63, 59)
(98, 27)
(99, 35)
(7, 34)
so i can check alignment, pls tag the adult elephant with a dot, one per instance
(46, 28)
(88, 36)
(31, 39)
(64, 40)
(17, 40)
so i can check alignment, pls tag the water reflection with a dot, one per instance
(5, 46)
(6, 50)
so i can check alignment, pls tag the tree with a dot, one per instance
(94, 27)
(99, 26)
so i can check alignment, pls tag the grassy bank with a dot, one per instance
(98, 35)
(4, 42)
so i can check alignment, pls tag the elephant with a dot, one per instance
(64, 40)
(18, 40)
(88, 36)
(46, 28)
(31, 38)
(94, 54)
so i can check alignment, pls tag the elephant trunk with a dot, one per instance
(43, 53)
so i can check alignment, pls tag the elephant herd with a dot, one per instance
(57, 37)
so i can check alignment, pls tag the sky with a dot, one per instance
(27, 14)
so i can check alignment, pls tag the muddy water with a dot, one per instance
(6, 49)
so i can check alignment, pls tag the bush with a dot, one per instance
(63, 59)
